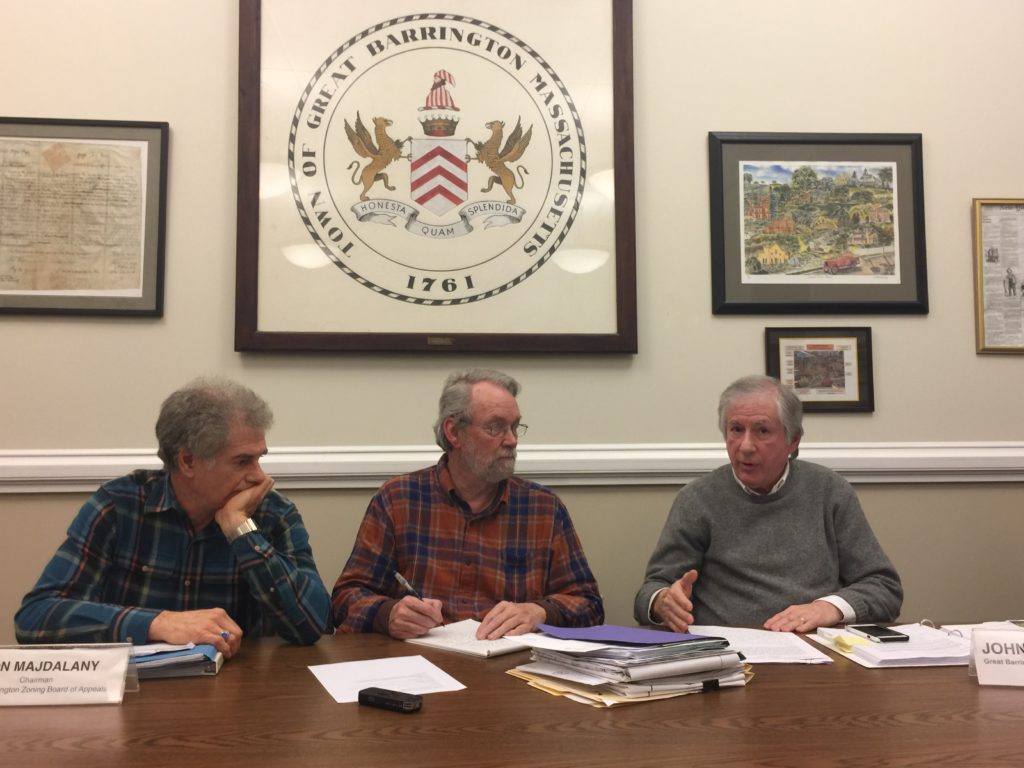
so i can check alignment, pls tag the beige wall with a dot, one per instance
(956, 547)
(944, 68)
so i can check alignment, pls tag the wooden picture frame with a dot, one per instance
(83, 216)
(457, 182)
(998, 238)
(817, 223)
(830, 369)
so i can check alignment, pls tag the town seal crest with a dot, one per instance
(437, 159)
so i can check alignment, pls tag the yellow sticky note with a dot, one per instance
(845, 643)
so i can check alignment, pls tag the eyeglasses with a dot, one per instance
(498, 429)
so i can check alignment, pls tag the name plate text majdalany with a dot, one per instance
(998, 656)
(63, 674)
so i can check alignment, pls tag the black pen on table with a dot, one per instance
(404, 584)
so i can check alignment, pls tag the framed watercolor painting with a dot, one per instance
(817, 223)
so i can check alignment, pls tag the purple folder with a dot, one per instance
(613, 633)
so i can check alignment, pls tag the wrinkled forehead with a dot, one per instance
(244, 440)
(754, 408)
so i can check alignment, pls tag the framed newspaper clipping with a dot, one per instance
(998, 271)
(82, 207)
(829, 368)
(419, 179)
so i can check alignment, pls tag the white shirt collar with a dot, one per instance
(777, 486)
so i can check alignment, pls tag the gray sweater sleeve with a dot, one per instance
(867, 579)
(680, 547)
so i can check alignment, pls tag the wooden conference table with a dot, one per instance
(266, 708)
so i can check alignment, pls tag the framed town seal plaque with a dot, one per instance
(412, 180)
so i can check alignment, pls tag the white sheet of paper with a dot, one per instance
(151, 648)
(460, 637)
(409, 674)
(537, 640)
(760, 646)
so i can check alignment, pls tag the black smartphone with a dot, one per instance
(877, 633)
(396, 701)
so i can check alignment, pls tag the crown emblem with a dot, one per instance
(440, 121)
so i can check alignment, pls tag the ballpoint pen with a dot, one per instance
(407, 586)
(404, 584)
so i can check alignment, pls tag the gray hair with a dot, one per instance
(198, 418)
(791, 410)
(456, 398)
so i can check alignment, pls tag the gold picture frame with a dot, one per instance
(998, 238)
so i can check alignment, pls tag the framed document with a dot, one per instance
(411, 180)
(828, 368)
(820, 223)
(82, 216)
(998, 274)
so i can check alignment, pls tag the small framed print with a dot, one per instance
(829, 368)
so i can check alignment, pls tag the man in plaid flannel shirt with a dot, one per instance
(468, 538)
(202, 551)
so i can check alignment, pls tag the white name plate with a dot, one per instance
(63, 674)
(998, 656)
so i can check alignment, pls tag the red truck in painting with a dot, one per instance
(843, 263)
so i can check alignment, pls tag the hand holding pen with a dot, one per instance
(413, 615)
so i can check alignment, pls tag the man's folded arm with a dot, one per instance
(283, 576)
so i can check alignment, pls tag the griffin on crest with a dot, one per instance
(380, 154)
(496, 161)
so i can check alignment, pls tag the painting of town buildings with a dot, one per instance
(819, 370)
(819, 222)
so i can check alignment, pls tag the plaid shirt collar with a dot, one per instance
(162, 500)
(444, 479)
(161, 497)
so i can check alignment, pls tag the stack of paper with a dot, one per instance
(609, 665)
(161, 660)
(927, 647)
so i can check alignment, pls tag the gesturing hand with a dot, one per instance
(674, 606)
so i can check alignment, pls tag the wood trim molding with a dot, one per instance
(56, 471)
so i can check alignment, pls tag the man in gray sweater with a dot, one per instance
(767, 540)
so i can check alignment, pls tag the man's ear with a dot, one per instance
(454, 436)
(794, 448)
(186, 462)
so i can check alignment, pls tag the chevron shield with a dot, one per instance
(440, 174)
